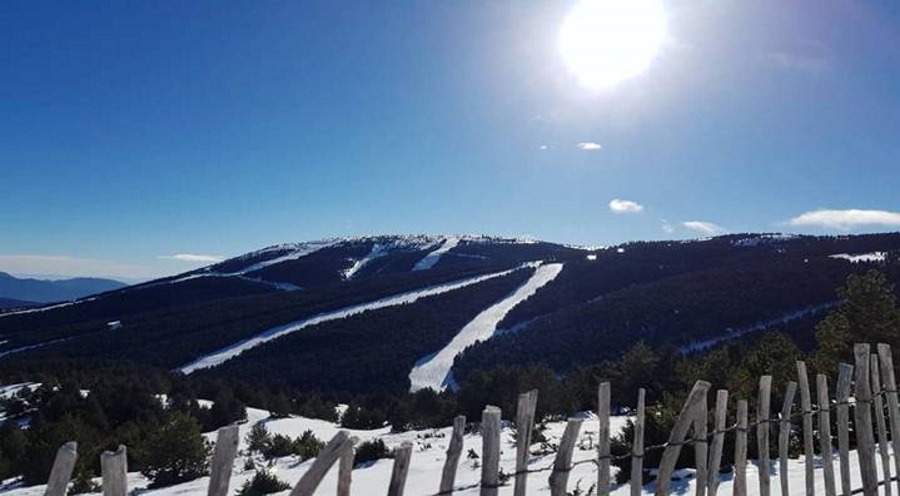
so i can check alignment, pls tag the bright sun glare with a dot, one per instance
(607, 41)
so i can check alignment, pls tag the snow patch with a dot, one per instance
(218, 357)
(434, 257)
(434, 371)
(875, 256)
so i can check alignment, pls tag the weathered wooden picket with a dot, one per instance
(874, 394)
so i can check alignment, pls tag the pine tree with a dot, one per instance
(180, 453)
(867, 313)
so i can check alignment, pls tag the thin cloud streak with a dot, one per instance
(845, 220)
(703, 227)
(193, 258)
(589, 146)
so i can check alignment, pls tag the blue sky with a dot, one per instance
(136, 131)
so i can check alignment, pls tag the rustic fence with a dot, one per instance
(872, 379)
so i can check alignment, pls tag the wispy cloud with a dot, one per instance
(543, 147)
(703, 227)
(668, 228)
(844, 220)
(625, 206)
(797, 62)
(69, 266)
(589, 146)
(193, 257)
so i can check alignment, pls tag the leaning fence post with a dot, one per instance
(637, 447)
(307, 484)
(762, 432)
(842, 394)
(603, 440)
(524, 426)
(401, 469)
(676, 437)
(718, 442)
(784, 436)
(865, 438)
(806, 406)
(825, 433)
(454, 450)
(886, 362)
(878, 404)
(562, 465)
(345, 468)
(490, 451)
(62, 469)
(223, 460)
(740, 451)
(701, 449)
(114, 468)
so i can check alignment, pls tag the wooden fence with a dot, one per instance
(872, 379)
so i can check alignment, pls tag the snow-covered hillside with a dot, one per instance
(428, 459)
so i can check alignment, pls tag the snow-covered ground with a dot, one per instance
(433, 257)
(433, 371)
(428, 459)
(875, 256)
(218, 357)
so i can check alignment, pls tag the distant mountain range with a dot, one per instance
(16, 292)
(385, 314)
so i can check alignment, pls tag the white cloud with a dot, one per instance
(68, 266)
(543, 147)
(707, 228)
(589, 146)
(798, 62)
(845, 220)
(668, 228)
(194, 258)
(625, 206)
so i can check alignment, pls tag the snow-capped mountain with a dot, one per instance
(395, 313)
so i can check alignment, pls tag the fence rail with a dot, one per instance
(874, 395)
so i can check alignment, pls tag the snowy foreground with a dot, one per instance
(428, 459)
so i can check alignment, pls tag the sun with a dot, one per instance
(605, 42)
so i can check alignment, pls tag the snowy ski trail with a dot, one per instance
(433, 257)
(220, 356)
(433, 371)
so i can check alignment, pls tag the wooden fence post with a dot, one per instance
(490, 451)
(784, 436)
(676, 437)
(637, 447)
(62, 469)
(701, 448)
(825, 433)
(762, 432)
(845, 373)
(401, 469)
(345, 468)
(524, 426)
(562, 465)
(806, 406)
(310, 480)
(865, 438)
(878, 404)
(223, 460)
(454, 450)
(886, 362)
(740, 451)
(718, 442)
(114, 467)
(603, 460)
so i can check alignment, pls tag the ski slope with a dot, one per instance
(218, 357)
(433, 371)
(433, 257)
